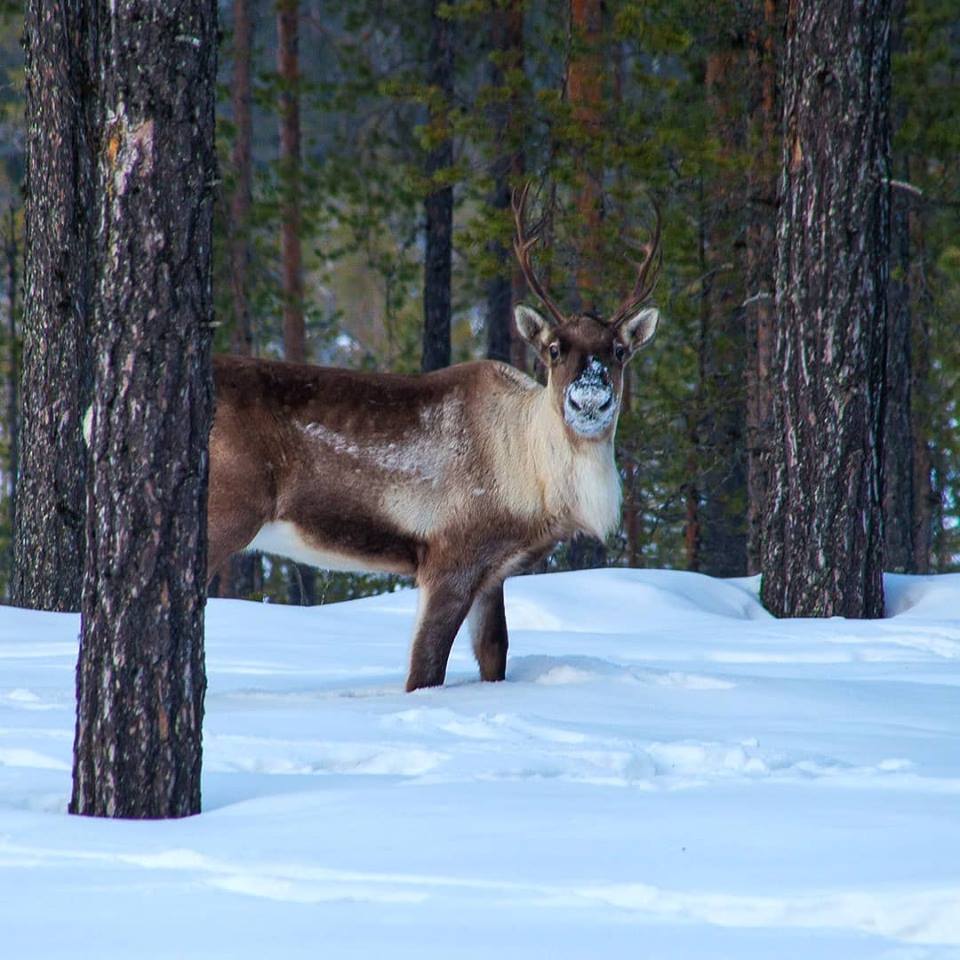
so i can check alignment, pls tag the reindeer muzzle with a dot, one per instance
(589, 404)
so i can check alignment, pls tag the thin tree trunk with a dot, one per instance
(238, 574)
(49, 532)
(140, 676)
(242, 199)
(723, 535)
(13, 367)
(294, 326)
(898, 446)
(926, 499)
(506, 27)
(761, 209)
(898, 494)
(288, 60)
(823, 547)
(585, 75)
(437, 270)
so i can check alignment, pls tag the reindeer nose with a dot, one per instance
(589, 399)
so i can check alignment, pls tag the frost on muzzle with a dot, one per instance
(588, 402)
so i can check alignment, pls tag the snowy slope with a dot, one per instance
(667, 773)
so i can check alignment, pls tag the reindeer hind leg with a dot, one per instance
(488, 629)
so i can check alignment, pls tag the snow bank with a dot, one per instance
(667, 772)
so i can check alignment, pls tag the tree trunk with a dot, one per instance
(761, 210)
(585, 74)
(926, 499)
(898, 447)
(238, 575)
(294, 326)
(13, 369)
(140, 677)
(437, 303)
(242, 199)
(49, 533)
(288, 61)
(823, 547)
(506, 27)
(723, 539)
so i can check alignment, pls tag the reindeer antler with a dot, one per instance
(523, 244)
(648, 272)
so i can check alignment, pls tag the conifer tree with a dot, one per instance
(822, 549)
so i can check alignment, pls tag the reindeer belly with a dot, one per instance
(359, 547)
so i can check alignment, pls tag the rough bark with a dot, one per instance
(49, 532)
(822, 551)
(288, 64)
(723, 539)
(761, 211)
(242, 198)
(437, 268)
(140, 676)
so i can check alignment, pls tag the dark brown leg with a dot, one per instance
(444, 602)
(488, 629)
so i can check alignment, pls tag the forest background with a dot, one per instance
(365, 118)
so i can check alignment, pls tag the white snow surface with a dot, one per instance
(667, 772)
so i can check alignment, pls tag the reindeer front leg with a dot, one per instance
(445, 598)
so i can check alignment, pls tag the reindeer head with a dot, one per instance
(583, 354)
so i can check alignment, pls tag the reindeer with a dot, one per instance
(459, 477)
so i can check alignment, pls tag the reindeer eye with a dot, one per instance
(619, 351)
(554, 351)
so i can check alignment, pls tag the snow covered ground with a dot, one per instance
(667, 773)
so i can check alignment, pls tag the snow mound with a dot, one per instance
(930, 598)
(616, 600)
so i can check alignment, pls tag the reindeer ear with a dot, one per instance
(531, 325)
(638, 330)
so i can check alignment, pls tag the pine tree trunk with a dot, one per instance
(294, 325)
(822, 551)
(506, 28)
(926, 500)
(140, 677)
(237, 575)
(13, 369)
(438, 261)
(288, 61)
(723, 535)
(761, 210)
(585, 75)
(49, 533)
(242, 199)
(898, 447)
